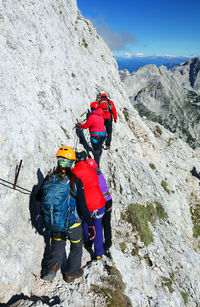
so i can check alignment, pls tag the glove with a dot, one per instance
(91, 232)
(115, 120)
(76, 126)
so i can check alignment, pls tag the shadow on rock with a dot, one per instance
(37, 222)
(35, 206)
(195, 173)
(15, 300)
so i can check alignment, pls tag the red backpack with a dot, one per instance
(105, 105)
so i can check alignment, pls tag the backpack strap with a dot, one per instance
(110, 106)
(62, 177)
(72, 194)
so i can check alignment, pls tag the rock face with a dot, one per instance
(171, 98)
(53, 64)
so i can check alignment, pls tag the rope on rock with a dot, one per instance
(16, 186)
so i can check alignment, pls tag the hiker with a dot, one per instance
(195, 173)
(83, 141)
(108, 208)
(95, 123)
(64, 207)
(110, 112)
(94, 200)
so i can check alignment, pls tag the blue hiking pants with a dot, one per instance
(97, 216)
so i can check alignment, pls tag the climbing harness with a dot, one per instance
(96, 216)
(96, 137)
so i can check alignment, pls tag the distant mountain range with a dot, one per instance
(134, 62)
(171, 98)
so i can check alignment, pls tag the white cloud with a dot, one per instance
(167, 55)
(114, 40)
(128, 55)
(139, 54)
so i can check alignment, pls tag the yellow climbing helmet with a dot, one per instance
(66, 152)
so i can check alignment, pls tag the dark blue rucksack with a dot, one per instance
(59, 204)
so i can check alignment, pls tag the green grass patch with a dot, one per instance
(185, 297)
(84, 43)
(140, 216)
(196, 231)
(195, 215)
(164, 185)
(170, 141)
(157, 131)
(126, 116)
(113, 288)
(148, 260)
(168, 283)
(159, 210)
(118, 233)
(152, 166)
(123, 216)
(65, 132)
(135, 250)
(122, 246)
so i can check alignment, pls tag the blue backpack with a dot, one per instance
(59, 204)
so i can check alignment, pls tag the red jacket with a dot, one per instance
(95, 121)
(107, 114)
(93, 195)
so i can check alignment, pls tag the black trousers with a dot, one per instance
(82, 140)
(107, 225)
(108, 125)
(97, 148)
(57, 249)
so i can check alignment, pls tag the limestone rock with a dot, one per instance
(53, 64)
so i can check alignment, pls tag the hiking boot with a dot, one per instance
(90, 251)
(50, 273)
(107, 253)
(70, 278)
(98, 258)
(107, 147)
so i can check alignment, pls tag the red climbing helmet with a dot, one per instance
(94, 105)
(104, 95)
(92, 162)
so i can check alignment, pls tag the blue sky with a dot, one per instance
(148, 27)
